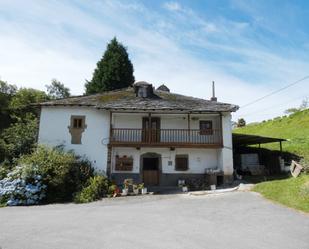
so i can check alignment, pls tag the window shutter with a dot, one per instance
(181, 162)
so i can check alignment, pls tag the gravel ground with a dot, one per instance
(231, 220)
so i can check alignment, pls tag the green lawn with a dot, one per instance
(292, 192)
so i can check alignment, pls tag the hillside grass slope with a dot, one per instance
(292, 192)
(294, 127)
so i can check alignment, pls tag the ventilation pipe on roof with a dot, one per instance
(163, 88)
(213, 98)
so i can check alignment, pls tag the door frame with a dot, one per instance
(147, 132)
(151, 155)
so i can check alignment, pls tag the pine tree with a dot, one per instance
(114, 70)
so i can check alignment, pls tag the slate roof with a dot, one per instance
(125, 99)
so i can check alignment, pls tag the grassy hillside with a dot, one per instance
(292, 192)
(295, 128)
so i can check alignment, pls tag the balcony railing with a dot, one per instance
(168, 137)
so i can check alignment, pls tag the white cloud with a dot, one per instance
(60, 40)
(172, 6)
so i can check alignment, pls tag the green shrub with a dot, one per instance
(5, 168)
(96, 188)
(63, 172)
(112, 190)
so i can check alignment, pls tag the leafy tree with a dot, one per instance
(19, 122)
(57, 90)
(6, 93)
(21, 102)
(113, 71)
(241, 122)
(6, 88)
(19, 138)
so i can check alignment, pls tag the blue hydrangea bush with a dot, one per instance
(22, 186)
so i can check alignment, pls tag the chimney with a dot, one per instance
(213, 98)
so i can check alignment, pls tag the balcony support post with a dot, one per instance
(149, 128)
(189, 128)
(221, 129)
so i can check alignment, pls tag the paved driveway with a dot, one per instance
(234, 220)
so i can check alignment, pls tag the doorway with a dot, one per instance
(150, 164)
(151, 129)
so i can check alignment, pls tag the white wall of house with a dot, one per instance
(54, 122)
(199, 159)
(54, 131)
(226, 153)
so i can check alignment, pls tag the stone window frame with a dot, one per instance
(179, 167)
(76, 128)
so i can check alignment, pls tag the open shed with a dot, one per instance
(240, 140)
(255, 159)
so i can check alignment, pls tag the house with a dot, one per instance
(152, 136)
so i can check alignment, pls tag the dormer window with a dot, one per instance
(143, 89)
(142, 92)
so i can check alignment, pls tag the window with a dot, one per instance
(124, 163)
(181, 162)
(77, 123)
(76, 128)
(206, 127)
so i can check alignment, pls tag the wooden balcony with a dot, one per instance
(166, 138)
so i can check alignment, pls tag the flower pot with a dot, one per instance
(184, 189)
(144, 191)
(213, 187)
(135, 191)
(125, 191)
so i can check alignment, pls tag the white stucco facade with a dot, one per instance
(199, 159)
(54, 123)
(54, 131)
(225, 159)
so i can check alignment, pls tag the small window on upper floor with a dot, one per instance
(206, 127)
(77, 123)
(181, 162)
(76, 128)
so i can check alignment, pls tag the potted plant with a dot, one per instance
(126, 185)
(142, 188)
(184, 188)
(135, 189)
(125, 191)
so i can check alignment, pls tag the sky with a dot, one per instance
(249, 48)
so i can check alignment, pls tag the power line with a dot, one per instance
(273, 106)
(274, 92)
